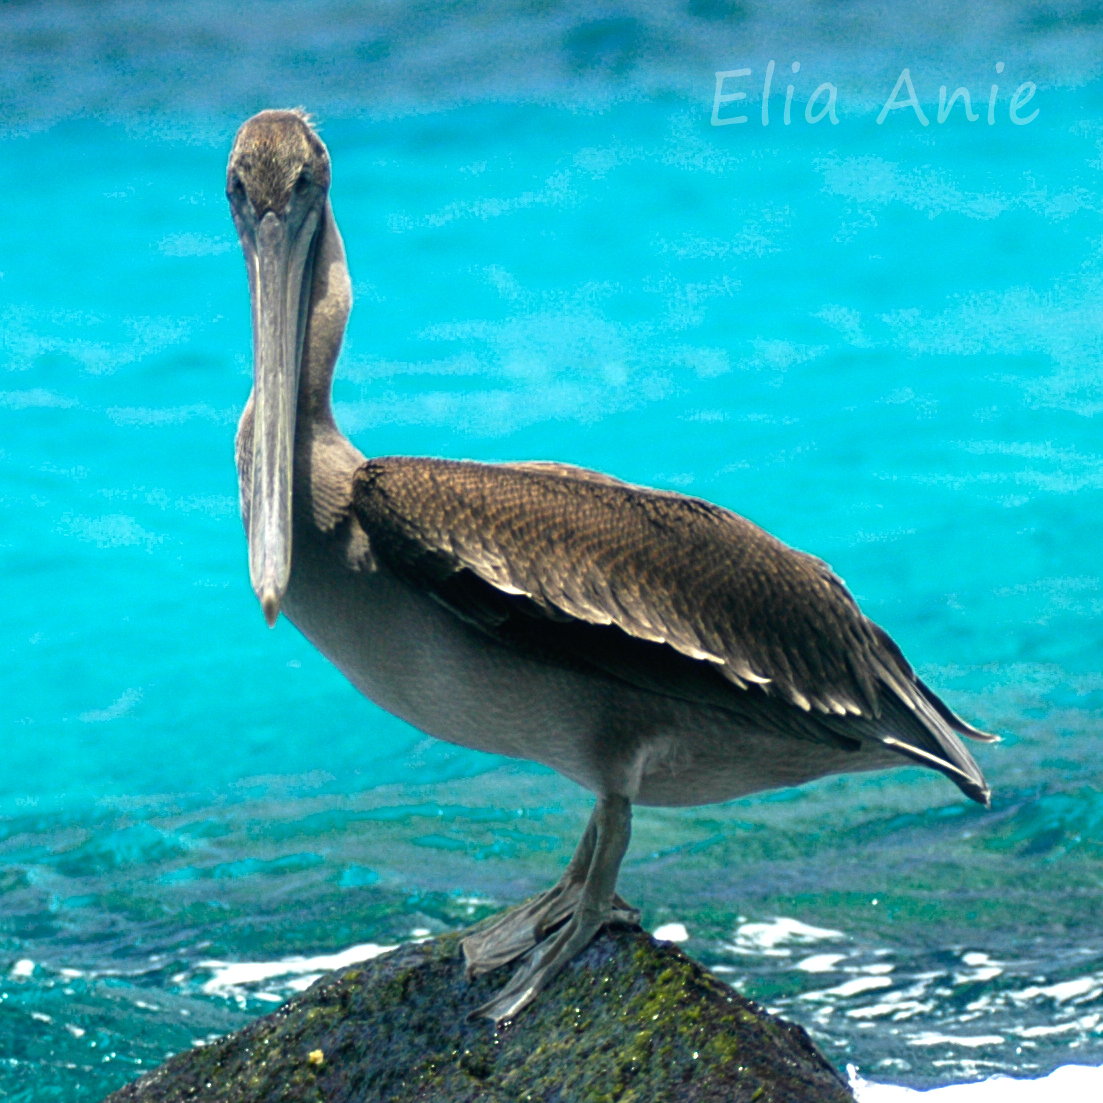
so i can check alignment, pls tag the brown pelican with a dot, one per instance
(652, 647)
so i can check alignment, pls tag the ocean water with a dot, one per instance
(883, 343)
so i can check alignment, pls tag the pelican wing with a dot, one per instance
(575, 547)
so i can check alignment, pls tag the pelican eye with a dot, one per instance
(303, 182)
(236, 186)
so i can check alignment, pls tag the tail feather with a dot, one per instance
(920, 733)
(952, 718)
(917, 724)
(971, 783)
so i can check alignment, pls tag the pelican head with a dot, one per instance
(276, 182)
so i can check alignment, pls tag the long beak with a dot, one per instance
(279, 263)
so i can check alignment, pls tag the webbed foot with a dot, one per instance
(581, 903)
(517, 932)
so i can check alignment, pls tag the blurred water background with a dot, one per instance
(881, 342)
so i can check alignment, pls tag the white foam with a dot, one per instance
(769, 938)
(983, 968)
(301, 984)
(1070, 1084)
(232, 978)
(820, 963)
(1090, 986)
(24, 967)
(849, 988)
(671, 932)
(970, 1041)
(1060, 1028)
(899, 1009)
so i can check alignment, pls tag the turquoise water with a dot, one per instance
(883, 344)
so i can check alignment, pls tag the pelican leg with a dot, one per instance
(521, 929)
(593, 903)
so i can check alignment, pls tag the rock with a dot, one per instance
(630, 1020)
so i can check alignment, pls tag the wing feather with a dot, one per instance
(576, 545)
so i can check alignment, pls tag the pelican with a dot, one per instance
(652, 647)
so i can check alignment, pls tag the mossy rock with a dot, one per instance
(630, 1020)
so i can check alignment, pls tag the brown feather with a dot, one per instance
(666, 592)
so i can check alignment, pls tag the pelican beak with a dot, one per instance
(279, 257)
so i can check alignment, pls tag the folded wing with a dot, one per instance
(663, 590)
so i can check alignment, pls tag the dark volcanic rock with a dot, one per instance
(630, 1020)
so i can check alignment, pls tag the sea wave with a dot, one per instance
(217, 58)
(1070, 1084)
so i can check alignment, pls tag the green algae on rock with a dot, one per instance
(630, 1020)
